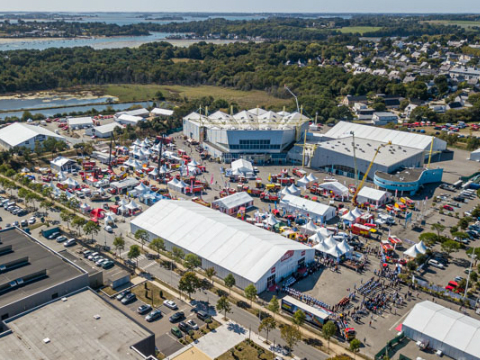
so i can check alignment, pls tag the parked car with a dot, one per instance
(54, 235)
(154, 315)
(184, 327)
(108, 264)
(202, 315)
(61, 239)
(170, 304)
(70, 242)
(176, 331)
(123, 294)
(32, 220)
(436, 264)
(16, 223)
(192, 324)
(86, 253)
(101, 262)
(177, 317)
(92, 255)
(108, 228)
(143, 309)
(24, 223)
(447, 207)
(458, 278)
(129, 298)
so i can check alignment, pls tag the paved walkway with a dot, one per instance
(217, 342)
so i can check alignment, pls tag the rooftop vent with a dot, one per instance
(46, 340)
(64, 299)
(96, 317)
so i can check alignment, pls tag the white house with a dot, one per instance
(383, 118)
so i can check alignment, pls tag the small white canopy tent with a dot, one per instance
(122, 210)
(271, 220)
(421, 247)
(303, 182)
(330, 242)
(141, 188)
(242, 166)
(311, 177)
(71, 183)
(176, 185)
(136, 164)
(85, 207)
(322, 247)
(132, 205)
(412, 251)
(344, 247)
(357, 213)
(137, 142)
(285, 191)
(294, 190)
(61, 176)
(349, 217)
(193, 163)
(153, 173)
(336, 188)
(123, 202)
(335, 251)
(109, 219)
(310, 227)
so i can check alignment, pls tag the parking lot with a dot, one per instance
(166, 342)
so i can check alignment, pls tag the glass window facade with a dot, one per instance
(254, 145)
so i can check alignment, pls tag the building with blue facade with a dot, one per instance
(408, 181)
(256, 135)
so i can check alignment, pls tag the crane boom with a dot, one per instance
(354, 199)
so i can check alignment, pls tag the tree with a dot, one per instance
(268, 324)
(420, 259)
(463, 223)
(291, 335)
(118, 243)
(355, 345)
(299, 317)
(157, 244)
(134, 253)
(224, 305)
(411, 265)
(273, 306)
(91, 228)
(189, 283)
(439, 228)
(229, 282)
(78, 222)
(250, 292)
(192, 261)
(210, 272)
(141, 235)
(66, 217)
(450, 246)
(177, 253)
(328, 330)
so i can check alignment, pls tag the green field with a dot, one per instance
(461, 23)
(245, 99)
(359, 29)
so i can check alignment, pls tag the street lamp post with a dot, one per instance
(472, 257)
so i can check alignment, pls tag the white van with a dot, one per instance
(435, 263)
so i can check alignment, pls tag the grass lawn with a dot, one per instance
(109, 291)
(246, 99)
(245, 351)
(359, 29)
(461, 23)
(157, 300)
(197, 334)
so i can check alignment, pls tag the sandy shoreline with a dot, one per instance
(55, 95)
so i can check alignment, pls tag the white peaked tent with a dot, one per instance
(344, 247)
(303, 182)
(242, 166)
(421, 247)
(137, 142)
(109, 219)
(357, 213)
(310, 227)
(316, 238)
(311, 177)
(146, 142)
(193, 163)
(271, 220)
(129, 162)
(334, 251)
(71, 183)
(348, 216)
(156, 147)
(61, 176)
(132, 205)
(412, 251)
(138, 154)
(294, 190)
(153, 173)
(322, 247)
(146, 152)
(330, 242)
(163, 170)
(123, 202)
(176, 185)
(285, 191)
(122, 210)
(182, 184)
(85, 207)
(136, 164)
(141, 188)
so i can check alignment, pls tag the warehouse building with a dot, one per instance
(372, 196)
(454, 334)
(408, 139)
(251, 254)
(336, 156)
(103, 131)
(319, 212)
(19, 135)
(79, 326)
(80, 123)
(126, 119)
(256, 135)
(33, 274)
(144, 113)
(407, 181)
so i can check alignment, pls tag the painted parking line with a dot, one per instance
(398, 321)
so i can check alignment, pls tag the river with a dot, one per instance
(83, 108)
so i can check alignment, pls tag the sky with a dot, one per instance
(343, 6)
